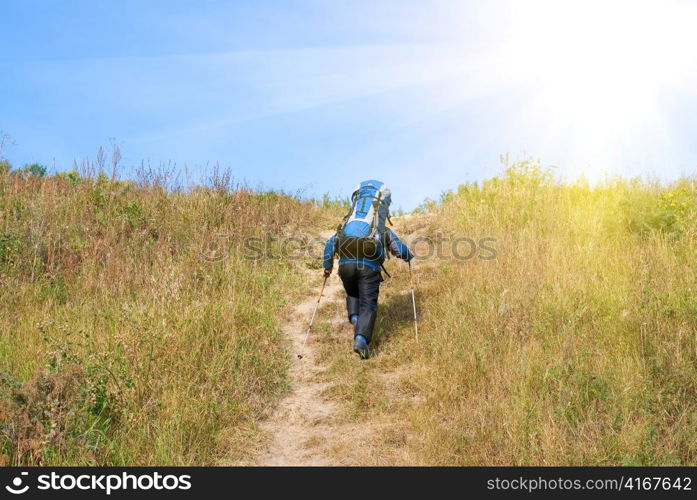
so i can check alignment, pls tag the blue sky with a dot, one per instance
(318, 95)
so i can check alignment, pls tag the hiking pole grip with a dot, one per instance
(413, 301)
(312, 319)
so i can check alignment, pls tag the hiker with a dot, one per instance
(360, 242)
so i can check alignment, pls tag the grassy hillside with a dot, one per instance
(133, 330)
(125, 338)
(577, 344)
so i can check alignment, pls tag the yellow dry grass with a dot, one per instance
(133, 329)
(577, 344)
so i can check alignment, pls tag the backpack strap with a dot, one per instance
(385, 270)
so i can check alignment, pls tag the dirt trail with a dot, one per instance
(304, 427)
(302, 420)
(301, 426)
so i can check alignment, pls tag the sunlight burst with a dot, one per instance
(599, 70)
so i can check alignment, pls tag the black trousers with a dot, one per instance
(362, 285)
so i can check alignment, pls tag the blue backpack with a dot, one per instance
(362, 232)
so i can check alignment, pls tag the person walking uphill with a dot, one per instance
(362, 241)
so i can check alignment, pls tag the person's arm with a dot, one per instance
(397, 247)
(329, 250)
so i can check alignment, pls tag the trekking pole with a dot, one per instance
(302, 348)
(413, 302)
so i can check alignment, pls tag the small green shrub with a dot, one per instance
(9, 248)
(36, 169)
(72, 177)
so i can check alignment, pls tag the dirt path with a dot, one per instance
(305, 428)
(302, 420)
(302, 427)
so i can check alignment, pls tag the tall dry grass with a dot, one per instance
(133, 330)
(576, 345)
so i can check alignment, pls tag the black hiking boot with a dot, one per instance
(360, 347)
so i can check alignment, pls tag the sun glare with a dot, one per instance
(599, 69)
